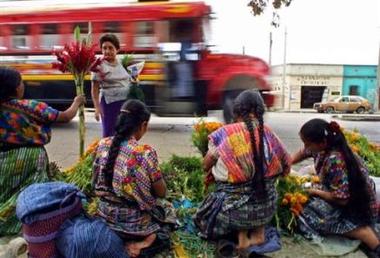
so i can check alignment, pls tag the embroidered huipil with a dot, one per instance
(26, 122)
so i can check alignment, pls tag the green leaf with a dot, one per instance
(77, 33)
(89, 35)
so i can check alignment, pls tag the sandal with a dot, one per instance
(226, 249)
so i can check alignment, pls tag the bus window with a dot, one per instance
(2, 39)
(83, 26)
(144, 36)
(112, 27)
(21, 39)
(49, 36)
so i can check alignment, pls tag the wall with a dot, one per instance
(300, 76)
(364, 77)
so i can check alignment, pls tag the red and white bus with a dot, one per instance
(149, 30)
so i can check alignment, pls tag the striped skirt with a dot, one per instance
(19, 167)
(235, 207)
(320, 217)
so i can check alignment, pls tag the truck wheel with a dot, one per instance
(360, 110)
(330, 110)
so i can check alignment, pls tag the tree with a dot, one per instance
(258, 7)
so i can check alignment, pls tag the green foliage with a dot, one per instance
(77, 33)
(126, 60)
(368, 151)
(195, 246)
(80, 174)
(184, 178)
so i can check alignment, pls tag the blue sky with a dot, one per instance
(319, 31)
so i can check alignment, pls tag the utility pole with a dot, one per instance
(377, 90)
(284, 72)
(270, 49)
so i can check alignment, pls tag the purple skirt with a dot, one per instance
(110, 114)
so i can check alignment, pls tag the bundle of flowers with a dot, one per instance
(80, 173)
(134, 69)
(201, 130)
(370, 152)
(291, 199)
(78, 58)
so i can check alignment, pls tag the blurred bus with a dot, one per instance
(149, 30)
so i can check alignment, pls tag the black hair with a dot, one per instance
(246, 103)
(10, 79)
(317, 131)
(110, 38)
(132, 115)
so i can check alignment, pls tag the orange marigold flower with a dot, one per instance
(284, 202)
(288, 196)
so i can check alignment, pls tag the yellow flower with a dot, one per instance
(303, 199)
(293, 200)
(315, 179)
(284, 202)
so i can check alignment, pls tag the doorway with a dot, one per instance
(311, 95)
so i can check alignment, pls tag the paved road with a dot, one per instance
(173, 135)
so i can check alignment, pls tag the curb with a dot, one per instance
(358, 117)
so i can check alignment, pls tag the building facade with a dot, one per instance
(299, 86)
(360, 80)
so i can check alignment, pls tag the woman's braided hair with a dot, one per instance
(248, 103)
(10, 79)
(133, 114)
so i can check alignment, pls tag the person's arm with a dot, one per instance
(95, 99)
(153, 169)
(159, 188)
(299, 156)
(208, 162)
(69, 114)
(336, 182)
(327, 196)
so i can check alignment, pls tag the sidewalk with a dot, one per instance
(342, 116)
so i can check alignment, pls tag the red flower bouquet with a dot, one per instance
(78, 58)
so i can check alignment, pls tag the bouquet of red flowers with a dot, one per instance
(79, 59)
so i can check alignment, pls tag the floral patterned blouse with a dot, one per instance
(136, 169)
(332, 171)
(26, 122)
(331, 168)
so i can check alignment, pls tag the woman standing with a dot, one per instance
(110, 86)
(345, 202)
(25, 127)
(244, 158)
(128, 181)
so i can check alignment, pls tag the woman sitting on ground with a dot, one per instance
(244, 158)
(24, 130)
(345, 202)
(128, 181)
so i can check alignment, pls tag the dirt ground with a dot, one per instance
(290, 249)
